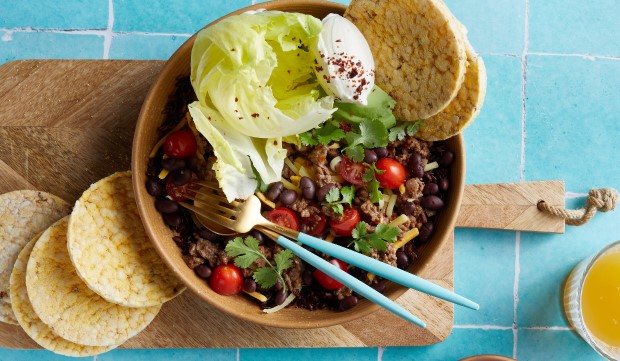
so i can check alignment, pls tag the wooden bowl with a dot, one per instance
(239, 306)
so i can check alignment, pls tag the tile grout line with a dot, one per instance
(238, 354)
(380, 353)
(108, 35)
(526, 35)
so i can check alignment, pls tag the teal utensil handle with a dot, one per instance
(385, 270)
(349, 281)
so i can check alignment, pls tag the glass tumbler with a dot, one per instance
(599, 276)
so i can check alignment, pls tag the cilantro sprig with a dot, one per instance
(246, 251)
(372, 134)
(335, 198)
(364, 242)
(404, 129)
(328, 133)
(372, 184)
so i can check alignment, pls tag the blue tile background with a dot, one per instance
(571, 109)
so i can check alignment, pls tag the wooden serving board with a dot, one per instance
(65, 124)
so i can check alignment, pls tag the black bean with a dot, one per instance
(416, 166)
(431, 202)
(165, 205)
(172, 219)
(259, 236)
(402, 261)
(426, 231)
(444, 184)
(288, 197)
(324, 190)
(280, 297)
(408, 208)
(154, 187)
(307, 277)
(208, 234)
(430, 188)
(274, 190)
(278, 284)
(308, 188)
(249, 285)
(173, 163)
(379, 287)
(348, 303)
(177, 239)
(203, 271)
(381, 152)
(192, 162)
(446, 158)
(370, 156)
(181, 177)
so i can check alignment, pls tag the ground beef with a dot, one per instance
(193, 261)
(372, 214)
(323, 175)
(401, 150)
(304, 207)
(209, 251)
(389, 256)
(287, 172)
(318, 155)
(342, 292)
(293, 276)
(413, 190)
(208, 172)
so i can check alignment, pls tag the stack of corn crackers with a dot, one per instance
(424, 60)
(80, 281)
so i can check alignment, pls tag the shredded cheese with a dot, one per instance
(371, 276)
(291, 165)
(306, 172)
(164, 172)
(390, 205)
(330, 238)
(408, 236)
(402, 189)
(264, 199)
(399, 220)
(291, 186)
(295, 179)
(431, 166)
(258, 296)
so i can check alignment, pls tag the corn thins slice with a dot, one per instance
(23, 214)
(31, 323)
(63, 301)
(419, 54)
(111, 251)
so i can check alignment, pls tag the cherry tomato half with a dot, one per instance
(313, 225)
(394, 174)
(180, 144)
(345, 224)
(178, 192)
(327, 282)
(284, 217)
(351, 171)
(226, 279)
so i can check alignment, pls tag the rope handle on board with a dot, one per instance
(604, 200)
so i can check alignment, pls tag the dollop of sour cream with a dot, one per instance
(344, 64)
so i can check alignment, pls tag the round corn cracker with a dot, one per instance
(111, 251)
(419, 56)
(462, 111)
(31, 323)
(70, 309)
(23, 214)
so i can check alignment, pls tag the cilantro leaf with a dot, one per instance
(334, 200)
(328, 133)
(355, 153)
(364, 242)
(245, 251)
(372, 134)
(306, 138)
(284, 259)
(265, 277)
(372, 184)
(404, 129)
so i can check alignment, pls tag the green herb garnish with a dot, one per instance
(372, 184)
(364, 242)
(372, 134)
(328, 133)
(405, 129)
(335, 198)
(246, 251)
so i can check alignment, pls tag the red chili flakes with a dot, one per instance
(255, 115)
(236, 99)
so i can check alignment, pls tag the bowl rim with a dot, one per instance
(144, 200)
